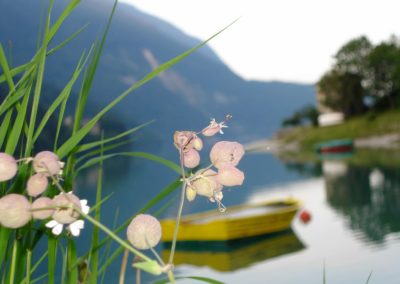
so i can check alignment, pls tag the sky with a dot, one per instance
(286, 40)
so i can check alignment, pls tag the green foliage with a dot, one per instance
(307, 114)
(20, 129)
(363, 76)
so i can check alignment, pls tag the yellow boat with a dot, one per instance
(241, 221)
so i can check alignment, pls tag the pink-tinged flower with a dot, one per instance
(15, 211)
(47, 162)
(183, 140)
(67, 216)
(226, 152)
(36, 184)
(191, 158)
(197, 143)
(205, 183)
(41, 214)
(8, 167)
(144, 231)
(214, 128)
(229, 175)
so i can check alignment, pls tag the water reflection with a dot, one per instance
(367, 196)
(237, 254)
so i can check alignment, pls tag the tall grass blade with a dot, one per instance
(67, 40)
(94, 255)
(13, 267)
(52, 259)
(75, 139)
(15, 134)
(64, 95)
(369, 277)
(4, 127)
(6, 69)
(148, 156)
(91, 145)
(72, 275)
(38, 85)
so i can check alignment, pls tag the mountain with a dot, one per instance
(185, 97)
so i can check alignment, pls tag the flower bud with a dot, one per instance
(37, 184)
(183, 140)
(197, 143)
(46, 162)
(190, 193)
(8, 167)
(66, 214)
(229, 175)
(226, 152)
(42, 214)
(206, 183)
(191, 158)
(15, 211)
(144, 231)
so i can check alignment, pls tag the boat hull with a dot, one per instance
(268, 217)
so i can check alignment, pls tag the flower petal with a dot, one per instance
(80, 224)
(57, 229)
(75, 231)
(51, 224)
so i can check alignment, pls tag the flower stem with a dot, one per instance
(179, 215)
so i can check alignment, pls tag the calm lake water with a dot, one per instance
(354, 228)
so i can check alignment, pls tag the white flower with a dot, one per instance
(74, 228)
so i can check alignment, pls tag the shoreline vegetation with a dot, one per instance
(375, 136)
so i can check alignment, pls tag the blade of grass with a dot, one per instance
(4, 127)
(33, 269)
(28, 267)
(148, 156)
(67, 40)
(72, 275)
(15, 134)
(94, 253)
(13, 267)
(64, 95)
(52, 259)
(369, 277)
(6, 69)
(38, 85)
(91, 71)
(75, 139)
(91, 145)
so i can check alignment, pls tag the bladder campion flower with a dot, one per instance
(214, 127)
(183, 140)
(41, 214)
(229, 175)
(144, 231)
(191, 158)
(8, 167)
(47, 162)
(226, 152)
(66, 214)
(15, 211)
(36, 184)
(204, 183)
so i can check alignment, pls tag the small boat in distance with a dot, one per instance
(241, 221)
(335, 146)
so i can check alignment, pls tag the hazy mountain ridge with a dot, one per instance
(186, 96)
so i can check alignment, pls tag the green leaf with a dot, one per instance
(151, 267)
(148, 156)
(72, 275)
(64, 95)
(91, 145)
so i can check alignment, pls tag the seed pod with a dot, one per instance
(46, 162)
(144, 231)
(206, 184)
(36, 184)
(226, 152)
(191, 158)
(42, 202)
(197, 143)
(8, 167)
(229, 175)
(66, 214)
(15, 211)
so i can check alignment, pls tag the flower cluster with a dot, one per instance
(224, 156)
(16, 210)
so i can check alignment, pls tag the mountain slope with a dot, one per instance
(186, 96)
